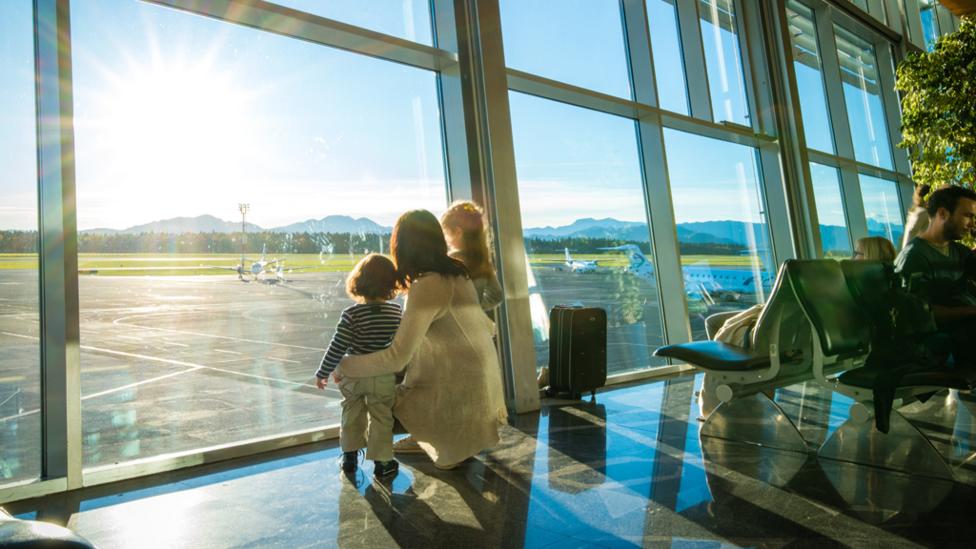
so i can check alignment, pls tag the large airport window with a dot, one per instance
(579, 42)
(835, 240)
(809, 78)
(723, 61)
(882, 208)
(672, 90)
(227, 181)
(407, 19)
(20, 364)
(723, 236)
(862, 95)
(585, 225)
(930, 23)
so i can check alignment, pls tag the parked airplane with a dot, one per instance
(577, 265)
(261, 267)
(703, 281)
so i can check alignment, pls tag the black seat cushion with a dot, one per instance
(949, 378)
(715, 355)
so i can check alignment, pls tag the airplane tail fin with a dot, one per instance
(634, 254)
(568, 258)
(264, 250)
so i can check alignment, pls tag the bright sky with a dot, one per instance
(179, 115)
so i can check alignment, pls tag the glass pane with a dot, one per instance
(185, 343)
(407, 19)
(862, 94)
(723, 61)
(882, 208)
(662, 18)
(930, 23)
(585, 225)
(809, 78)
(722, 232)
(20, 355)
(834, 239)
(579, 42)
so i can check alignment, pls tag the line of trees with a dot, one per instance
(592, 246)
(306, 243)
(214, 243)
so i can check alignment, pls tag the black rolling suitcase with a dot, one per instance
(577, 350)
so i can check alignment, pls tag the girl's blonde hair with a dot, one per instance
(469, 218)
(875, 248)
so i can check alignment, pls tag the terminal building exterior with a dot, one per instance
(659, 159)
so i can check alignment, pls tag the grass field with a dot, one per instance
(222, 264)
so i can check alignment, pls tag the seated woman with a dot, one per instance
(451, 399)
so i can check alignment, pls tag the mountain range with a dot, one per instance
(211, 224)
(734, 233)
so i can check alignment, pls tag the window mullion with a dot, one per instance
(694, 59)
(492, 157)
(832, 82)
(60, 368)
(654, 173)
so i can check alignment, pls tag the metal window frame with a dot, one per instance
(61, 444)
(826, 16)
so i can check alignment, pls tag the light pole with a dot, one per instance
(243, 208)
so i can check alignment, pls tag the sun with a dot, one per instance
(170, 134)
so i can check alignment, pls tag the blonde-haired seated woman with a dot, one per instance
(874, 248)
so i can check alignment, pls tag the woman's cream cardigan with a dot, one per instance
(451, 397)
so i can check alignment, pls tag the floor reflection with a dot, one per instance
(628, 469)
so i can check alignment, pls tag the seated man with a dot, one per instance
(934, 267)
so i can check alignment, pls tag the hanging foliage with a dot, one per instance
(939, 109)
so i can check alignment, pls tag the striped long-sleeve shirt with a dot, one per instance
(362, 329)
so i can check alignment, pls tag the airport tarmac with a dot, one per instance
(179, 363)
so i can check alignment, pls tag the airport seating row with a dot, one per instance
(814, 328)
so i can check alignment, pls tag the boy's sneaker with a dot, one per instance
(385, 468)
(350, 461)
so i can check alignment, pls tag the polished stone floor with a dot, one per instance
(628, 470)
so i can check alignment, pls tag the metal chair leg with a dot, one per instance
(904, 448)
(754, 419)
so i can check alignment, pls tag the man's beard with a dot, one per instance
(952, 231)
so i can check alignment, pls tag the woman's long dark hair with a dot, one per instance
(418, 247)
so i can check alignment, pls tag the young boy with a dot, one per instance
(366, 327)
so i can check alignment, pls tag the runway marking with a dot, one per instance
(120, 322)
(105, 368)
(11, 379)
(35, 338)
(168, 342)
(143, 382)
(282, 359)
(178, 363)
(226, 351)
(193, 365)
